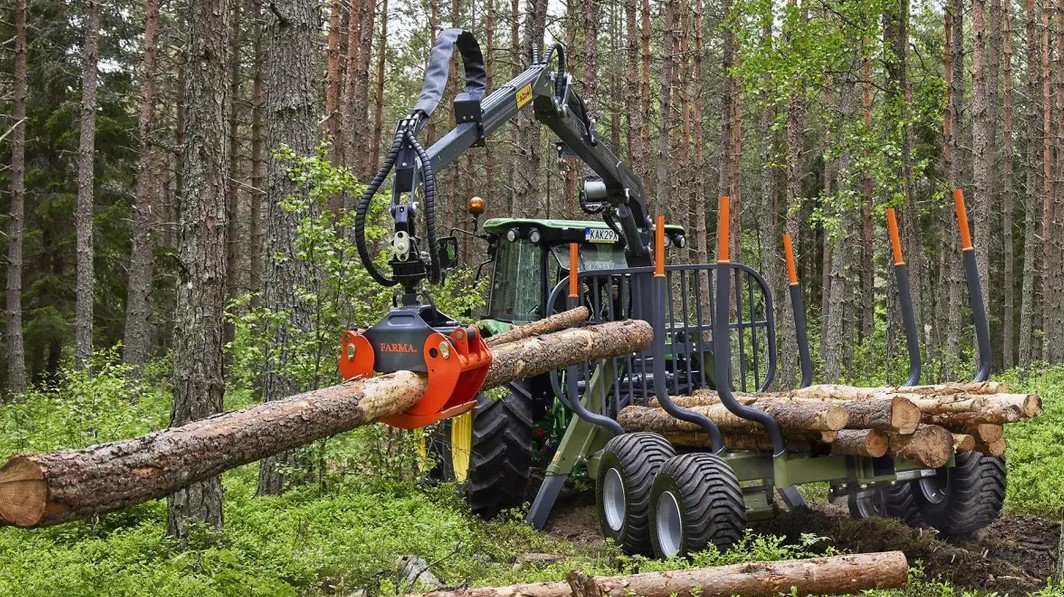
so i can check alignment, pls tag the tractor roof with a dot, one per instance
(500, 225)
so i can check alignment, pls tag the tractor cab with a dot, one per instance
(532, 256)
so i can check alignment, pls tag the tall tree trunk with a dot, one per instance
(258, 162)
(236, 238)
(633, 107)
(1032, 193)
(136, 343)
(1053, 315)
(349, 112)
(982, 137)
(378, 104)
(491, 187)
(698, 248)
(644, 97)
(516, 64)
(591, 41)
(664, 169)
(358, 145)
(198, 380)
(291, 116)
(867, 267)
(526, 171)
(333, 75)
(86, 156)
(16, 352)
(731, 130)
(1008, 315)
(951, 352)
(1049, 295)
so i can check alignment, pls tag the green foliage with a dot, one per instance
(1036, 447)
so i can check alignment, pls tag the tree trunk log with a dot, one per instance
(994, 448)
(947, 389)
(835, 575)
(796, 416)
(885, 413)
(554, 323)
(754, 440)
(45, 489)
(962, 442)
(869, 443)
(930, 446)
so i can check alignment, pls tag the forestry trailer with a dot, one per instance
(682, 442)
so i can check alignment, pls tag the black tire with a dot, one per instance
(501, 456)
(887, 501)
(629, 463)
(696, 501)
(962, 499)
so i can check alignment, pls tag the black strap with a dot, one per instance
(439, 68)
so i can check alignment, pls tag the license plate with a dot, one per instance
(600, 235)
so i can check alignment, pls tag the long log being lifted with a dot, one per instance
(45, 489)
(834, 575)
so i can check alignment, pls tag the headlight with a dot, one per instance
(511, 234)
(681, 241)
(534, 236)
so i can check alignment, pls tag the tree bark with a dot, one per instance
(333, 76)
(45, 489)
(1008, 274)
(955, 284)
(930, 446)
(258, 161)
(90, 56)
(16, 352)
(136, 340)
(291, 116)
(378, 101)
(644, 163)
(793, 416)
(983, 118)
(817, 576)
(554, 323)
(1029, 275)
(350, 114)
(236, 237)
(198, 380)
(664, 174)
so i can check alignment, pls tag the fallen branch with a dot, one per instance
(835, 575)
(45, 489)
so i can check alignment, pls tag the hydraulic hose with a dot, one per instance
(429, 181)
(363, 207)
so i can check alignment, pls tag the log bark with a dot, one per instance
(994, 448)
(986, 432)
(930, 446)
(869, 443)
(887, 413)
(834, 575)
(798, 416)
(994, 409)
(45, 489)
(755, 441)
(554, 323)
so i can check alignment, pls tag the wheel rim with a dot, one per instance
(669, 524)
(461, 445)
(868, 507)
(613, 504)
(934, 488)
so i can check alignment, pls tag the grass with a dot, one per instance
(345, 530)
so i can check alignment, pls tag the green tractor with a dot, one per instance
(490, 451)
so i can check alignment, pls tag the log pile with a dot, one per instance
(45, 489)
(923, 424)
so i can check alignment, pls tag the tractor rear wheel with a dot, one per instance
(962, 499)
(626, 474)
(487, 452)
(696, 501)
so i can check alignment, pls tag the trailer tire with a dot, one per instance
(499, 454)
(696, 501)
(626, 472)
(962, 499)
(889, 501)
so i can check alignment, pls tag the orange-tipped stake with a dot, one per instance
(574, 267)
(788, 253)
(895, 238)
(723, 223)
(659, 246)
(962, 220)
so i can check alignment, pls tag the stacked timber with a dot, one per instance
(924, 424)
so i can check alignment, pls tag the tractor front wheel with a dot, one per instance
(487, 452)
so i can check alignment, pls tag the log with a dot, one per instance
(986, 432)
(975, 409)
(963, 442)
(995, 448)
(870, 443)
(947, 389)
(930, 446)
(45, 489)
(800, 416)
(833, 575)
(753, 441)
(554, 323)
(886, 413)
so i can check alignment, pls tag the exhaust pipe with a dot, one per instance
(975, 290)
(801, 334)
(905, 298)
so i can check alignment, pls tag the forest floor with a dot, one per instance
(351, 530)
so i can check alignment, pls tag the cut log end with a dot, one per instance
(860, 442)
(904, 415)
(930, 446)
(23, 492)
(962, 442)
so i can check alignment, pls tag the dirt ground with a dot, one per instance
(1016, 554)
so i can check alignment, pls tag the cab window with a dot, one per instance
(516, 289)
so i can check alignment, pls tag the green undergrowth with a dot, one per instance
(345, 529)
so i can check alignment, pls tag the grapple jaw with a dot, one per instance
(419, 338)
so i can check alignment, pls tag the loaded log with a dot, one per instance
(45, 489)
(801, 416)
